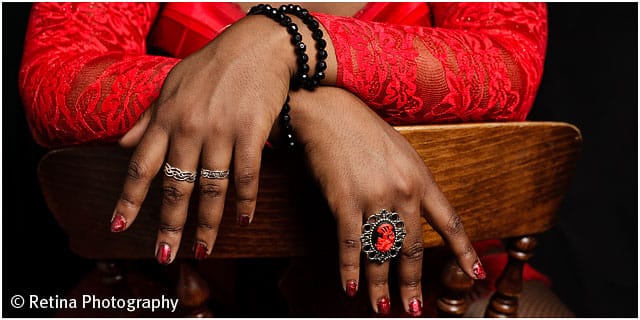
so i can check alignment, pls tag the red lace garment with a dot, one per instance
(86, 75)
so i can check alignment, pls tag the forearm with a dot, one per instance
(83, 79)
(481, 62)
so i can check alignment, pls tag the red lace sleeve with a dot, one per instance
(479, 62)
(85, 75)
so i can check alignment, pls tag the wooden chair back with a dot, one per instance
(505, 180)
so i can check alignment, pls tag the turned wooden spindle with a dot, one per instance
(453, 302)
(504, 302)
(193, 292)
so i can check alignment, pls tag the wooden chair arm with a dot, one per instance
(504, 179)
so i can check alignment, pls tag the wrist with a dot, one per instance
(311, 49)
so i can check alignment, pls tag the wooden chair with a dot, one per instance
(506, 181)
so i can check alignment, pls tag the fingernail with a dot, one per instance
(352, 288)
(415, 307)
(118, 223)
(478, 270)
(164, 254)
(384, 306)
(201, 251)
(243, 220)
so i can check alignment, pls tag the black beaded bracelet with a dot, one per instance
(301, 78)
(316, 34)
(302, 75)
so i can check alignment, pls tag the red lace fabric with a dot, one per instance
(85, 74)
(86, 77)
(481, 62)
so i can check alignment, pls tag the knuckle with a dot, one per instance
(404, 189)
(350, 244)
(246, 178)
(414, 251)
(137, 171)
(454, 225)
(378, 281)
(129, 201)
(349, 267)
(168, 228)
(171, 195)
(211, 190)
(206, 226)
(412, 283)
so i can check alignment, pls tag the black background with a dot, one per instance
(590, 80)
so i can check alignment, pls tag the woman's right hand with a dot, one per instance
(363, 165)
(217, 105)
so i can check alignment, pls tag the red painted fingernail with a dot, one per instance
(352, 288)
(164, 254)
(415, 307)
(243, 220)
(118, 223)
(384, 306)
(201, 251)
(478, 270)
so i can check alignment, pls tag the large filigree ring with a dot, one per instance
(382, 236)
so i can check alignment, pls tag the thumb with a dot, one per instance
(134, 135)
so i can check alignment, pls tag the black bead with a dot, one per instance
(292, 29)
(283, 8)
(321, 44)
(286, 118)
(285, 107)
(318, 76)
(322, 54)
(308, 20)
(296, 38)
(304, 58)
(303, 68)
(304, 13)
(267, 7)
(300, 48)
(321, 66)
(297, 9)
(317, 34)
(314, 24)
(290, 8)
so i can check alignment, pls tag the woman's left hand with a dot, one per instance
(363, 165)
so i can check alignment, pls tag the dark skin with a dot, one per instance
(214, 107)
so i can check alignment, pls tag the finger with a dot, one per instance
(442, 216)
(182, 159)
(134, 135)
(212, 194)
(378, 280)
(246, 171)
(410, 262)
(349, 221)
(145, 163)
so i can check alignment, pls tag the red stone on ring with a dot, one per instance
(385, 237)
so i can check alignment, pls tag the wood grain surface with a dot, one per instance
(504, 179)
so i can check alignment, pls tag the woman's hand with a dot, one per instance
(363, 166)
(216, 105)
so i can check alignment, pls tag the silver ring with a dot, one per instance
(382, 236)
(214, 174)
(177, 174)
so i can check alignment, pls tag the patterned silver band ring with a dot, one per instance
(214, 174)
(177, 174)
